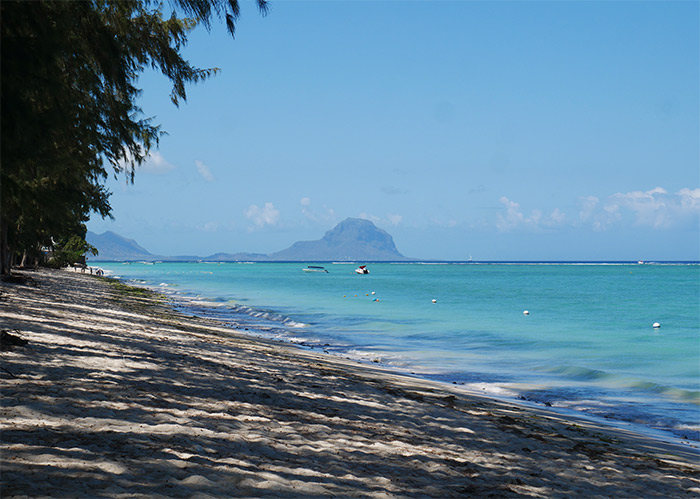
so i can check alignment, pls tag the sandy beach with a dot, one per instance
(117, 395)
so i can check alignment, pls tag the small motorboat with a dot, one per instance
(314, 268)
(362, 269)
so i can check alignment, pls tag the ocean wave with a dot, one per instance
(577, 372)
(618, 381)
(692, 396)
(550, 362)
(227, 311)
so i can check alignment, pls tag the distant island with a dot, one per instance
(353, 239)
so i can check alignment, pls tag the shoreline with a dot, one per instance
(196, 306)
(182, 304)
(118, 389)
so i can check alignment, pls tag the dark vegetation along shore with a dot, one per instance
(70, 113)
(116, 395)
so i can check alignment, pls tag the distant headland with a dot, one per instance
(353, 239)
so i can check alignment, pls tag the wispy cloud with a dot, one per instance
(588, 205)
(393, 219)
(324, 215)
(655, 208)
(267, 215)
(209, 227)
(689, 200)
(372, 218)
(155, 163)
(204, 171)
(514, 217)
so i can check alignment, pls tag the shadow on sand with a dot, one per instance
(116, 395)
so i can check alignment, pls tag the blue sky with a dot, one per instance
(497, 130)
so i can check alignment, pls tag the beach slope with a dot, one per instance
(117, 395)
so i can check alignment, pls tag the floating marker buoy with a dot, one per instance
(656, 325)
(526, 312)
(434, 300)
(373, 293)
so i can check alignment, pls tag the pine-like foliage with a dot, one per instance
(69, 114)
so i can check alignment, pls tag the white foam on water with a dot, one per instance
(476, 337)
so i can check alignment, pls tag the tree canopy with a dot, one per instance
(69, 113)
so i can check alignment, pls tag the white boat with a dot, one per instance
(362, 269)
(314, 268)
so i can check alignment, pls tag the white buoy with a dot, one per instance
(434, 300)
(373, 292)
(656, 325)
(526, 312)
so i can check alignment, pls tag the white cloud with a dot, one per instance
(154, 163)
(598, 216)
(656, 208)
(204, 171)
(394, 219)
(514, 217)
(267, 215)
(326, 215)
(689, 200)
(210, 227)
(557, 218)
(588, 206)
(372, 218)
(648, 207)
(306, 211)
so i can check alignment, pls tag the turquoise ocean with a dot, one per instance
(587, 345)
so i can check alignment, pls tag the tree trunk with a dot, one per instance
(4, 249)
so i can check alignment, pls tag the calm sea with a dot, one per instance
(587, 344)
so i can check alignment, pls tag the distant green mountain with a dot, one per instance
(112, 246)
(353, 239)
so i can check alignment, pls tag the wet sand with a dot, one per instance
(117, 395)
